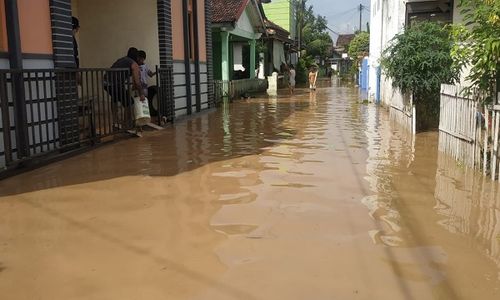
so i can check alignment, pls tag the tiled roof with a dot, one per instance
(345, 39)
(227, 11)
(272, 25)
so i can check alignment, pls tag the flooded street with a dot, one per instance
(308, 197)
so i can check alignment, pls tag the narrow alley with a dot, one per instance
(317, 196)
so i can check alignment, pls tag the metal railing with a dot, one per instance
(165, 104)
(49, 111)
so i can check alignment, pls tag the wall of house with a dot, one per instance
(35, 31)
(375, 46)
(3, 28)
(244, 23)
(36, 46)
(35, 26)
(178, 30)
(109, 27)
(387, 20)
(201, 26)
(180, 86)
(282, 13)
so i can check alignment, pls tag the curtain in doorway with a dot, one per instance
(278, 54)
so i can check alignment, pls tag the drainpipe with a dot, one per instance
(16, 62)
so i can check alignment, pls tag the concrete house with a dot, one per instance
(389, 18)
(237, 25)
(48, 106)
(282, 14)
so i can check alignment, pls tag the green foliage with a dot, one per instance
(302, 69)
(358, 48)
(419, 61)
(313, 31)
(360, 45)
(477, 45)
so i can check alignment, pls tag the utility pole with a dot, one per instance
(360, 16)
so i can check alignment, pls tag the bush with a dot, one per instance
(418, 61)
(302, 68)
(358, 48)
(477, 46)
(360, 45)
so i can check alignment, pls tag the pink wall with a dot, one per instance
(35, 26)
(36, 31)
(177, 30)
(201, 30)
(3, 29)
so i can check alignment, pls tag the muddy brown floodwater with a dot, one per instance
(309, 197)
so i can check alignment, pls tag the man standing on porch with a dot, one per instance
(118, 90)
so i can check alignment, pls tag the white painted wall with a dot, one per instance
(387, 20)
(375, 45)
(110, 27)
(244, 22)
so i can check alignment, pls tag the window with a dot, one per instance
(429, 11)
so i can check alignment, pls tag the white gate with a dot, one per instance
(468, 131)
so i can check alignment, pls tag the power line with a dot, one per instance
(342, 13)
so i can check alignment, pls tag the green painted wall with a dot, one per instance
(282, 13)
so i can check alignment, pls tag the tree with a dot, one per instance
(477, 45)
(360, 45)
(314, 37)
(357, 49)
(418, 61)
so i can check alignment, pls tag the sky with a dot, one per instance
(342, 15)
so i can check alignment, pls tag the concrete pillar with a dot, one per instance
(252, 59)
(272, 89)
(224, 37)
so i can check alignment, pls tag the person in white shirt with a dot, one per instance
(145, 71)
(292, 79)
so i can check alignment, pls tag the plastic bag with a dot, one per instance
(141, 112)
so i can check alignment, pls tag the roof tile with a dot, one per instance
(226, 11)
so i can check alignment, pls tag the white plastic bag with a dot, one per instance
(141, 112)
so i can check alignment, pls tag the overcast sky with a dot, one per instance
(342, 15)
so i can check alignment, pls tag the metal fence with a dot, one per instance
(49, 111)
(164, 104)
(470, 131)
